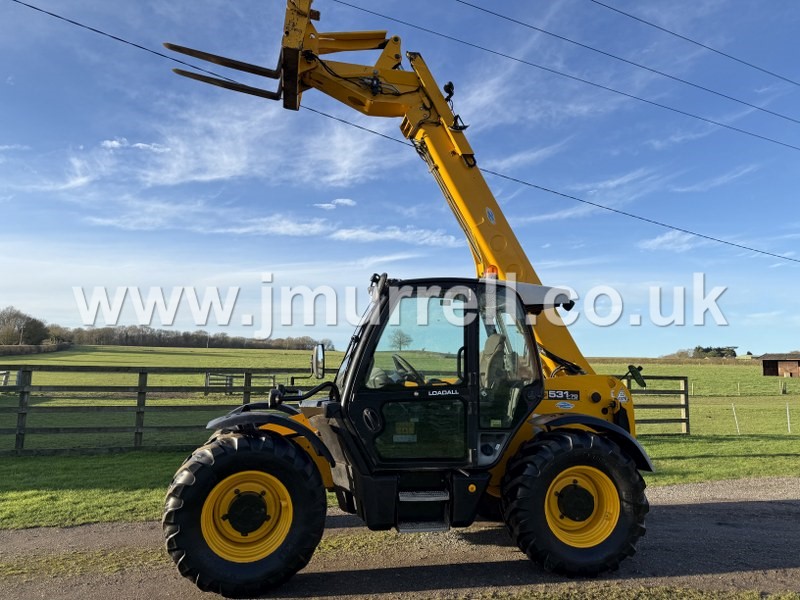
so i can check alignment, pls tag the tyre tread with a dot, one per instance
(521, 481)
(205, 457)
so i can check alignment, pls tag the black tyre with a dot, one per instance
(574, 503)
(244, 514)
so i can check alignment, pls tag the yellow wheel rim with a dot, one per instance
(582, 506)
(247, 516)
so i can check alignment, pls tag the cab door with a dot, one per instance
(415, 401)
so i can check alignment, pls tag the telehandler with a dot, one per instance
(455, 397)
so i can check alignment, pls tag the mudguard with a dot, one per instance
(617, 434)
(257, 419)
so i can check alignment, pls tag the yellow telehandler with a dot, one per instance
(455, 398)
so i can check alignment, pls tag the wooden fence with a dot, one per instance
(126, 412)
(115, 402)
(671, 397)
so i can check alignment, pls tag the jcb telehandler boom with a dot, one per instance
(497, 417)
(385, 90)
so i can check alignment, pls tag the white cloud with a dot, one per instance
(715, 182)
(371, 262)
(114, 144)
(525, 158)
(138, 214)
(616, 182)
(409, 235)
(121, 142)
(222, 137)
(158, 148)
(279, 225)
(81, 173)
(335, 203)
(610, 192)
(148, 215)
(674, 241)
(680, 137)
(580, 210)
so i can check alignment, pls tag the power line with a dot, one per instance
(639, 217)
(406, 143)
(116, 38)
(630, 62)
(695, 42)
(568, 76)
(577, 198)
(357, 126)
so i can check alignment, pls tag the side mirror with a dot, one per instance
(636, 373)
(318, 362)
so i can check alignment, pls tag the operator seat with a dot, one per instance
(493, 403)
(492, 363)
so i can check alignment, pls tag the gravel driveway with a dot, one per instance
(722, 536)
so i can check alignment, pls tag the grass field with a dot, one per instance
(148, 357)
(70, 490)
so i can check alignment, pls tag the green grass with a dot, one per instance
(171, 357)
(604, 591)
(731, 378)
(77, 563)
(62, 491)
(71, 564)
(70, 490)
(130, 356)
(691, 459)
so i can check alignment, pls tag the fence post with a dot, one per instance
(141, 399)
(24, 378)
(685, 409)
(5, 377)
(248, 380)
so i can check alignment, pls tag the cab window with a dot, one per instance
(422, 343)
(506, 362)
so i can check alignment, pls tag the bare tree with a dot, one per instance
(18, 328)
(399, 340)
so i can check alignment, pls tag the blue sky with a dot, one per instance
(115, 172)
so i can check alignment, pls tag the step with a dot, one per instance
(424, 496)
(423, 527)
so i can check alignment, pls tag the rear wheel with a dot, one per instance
(244, 514)
(574, 503)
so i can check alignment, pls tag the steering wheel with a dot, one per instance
(401, 364)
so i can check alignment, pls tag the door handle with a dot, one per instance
(372, 419)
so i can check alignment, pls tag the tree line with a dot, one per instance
(706, 352)
(18, 328)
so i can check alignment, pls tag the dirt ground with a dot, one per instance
(722, 536)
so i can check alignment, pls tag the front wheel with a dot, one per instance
(574, 503)
(244, 514)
